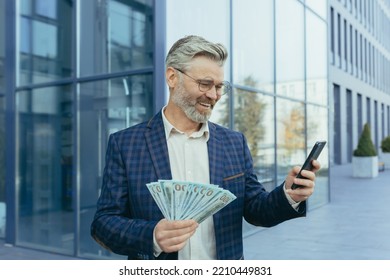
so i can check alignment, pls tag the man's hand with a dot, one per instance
(172, 236)
(307, 183)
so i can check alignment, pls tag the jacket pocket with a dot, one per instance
(233, 177)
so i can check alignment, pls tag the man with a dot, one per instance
(180, 143)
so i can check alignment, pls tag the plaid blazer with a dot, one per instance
(127, 214)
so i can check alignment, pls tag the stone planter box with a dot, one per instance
(385, 158)
(365, 167)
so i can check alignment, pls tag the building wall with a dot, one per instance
(359, 51)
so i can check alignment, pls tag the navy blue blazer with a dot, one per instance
(127, 214)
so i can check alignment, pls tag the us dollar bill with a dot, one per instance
(182, 200)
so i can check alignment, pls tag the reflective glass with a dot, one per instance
(105, 107)
(209, 19)
(221, 112)
(2, 45)
(254, 117)
(253, 56)
(317, 129)
(2, 170)
(44, 168)
(316, 60)
(290, 49)
(44, 47)
(115, 36)
(290, 123)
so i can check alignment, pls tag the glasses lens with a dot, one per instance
(226, 88)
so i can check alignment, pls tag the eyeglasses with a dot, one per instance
(205, 85)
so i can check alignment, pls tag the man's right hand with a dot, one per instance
(172, 236)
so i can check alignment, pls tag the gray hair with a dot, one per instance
(189, 47)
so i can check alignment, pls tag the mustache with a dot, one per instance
(206, 101)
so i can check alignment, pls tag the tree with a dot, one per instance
(365, 146)
(294, 130)
(249, 113)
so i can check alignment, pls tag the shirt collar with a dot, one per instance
(169, 128)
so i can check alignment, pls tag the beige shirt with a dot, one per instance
(189, 161)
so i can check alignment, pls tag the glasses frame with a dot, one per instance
(206, 85)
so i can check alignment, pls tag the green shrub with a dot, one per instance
(385, 145)
(365, 146)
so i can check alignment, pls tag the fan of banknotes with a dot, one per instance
(180, 200)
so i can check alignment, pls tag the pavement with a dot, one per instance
(355, 225)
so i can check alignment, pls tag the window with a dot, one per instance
(126, 30)
(349, 126)
(351, 48)
(345, 45)
(2, 170)
(253, 55)
(316, 60)
(44, 49)
(45, 168)
(359, 113)
(290, 61)
(337, 124)
(332, 33)
(106, 106)
(2, 45)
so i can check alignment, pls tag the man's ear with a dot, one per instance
(171, 77)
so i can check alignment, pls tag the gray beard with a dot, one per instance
(180, 99)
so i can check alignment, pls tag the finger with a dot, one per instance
(308, 175)
(295, 170)
(316, 165)
(175, 225)
(304, 182)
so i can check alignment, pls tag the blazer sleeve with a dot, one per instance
(112, 226)
(262, 208)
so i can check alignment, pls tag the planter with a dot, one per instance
(385, 158)
(365, 167)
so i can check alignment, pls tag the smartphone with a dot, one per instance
(314, 153)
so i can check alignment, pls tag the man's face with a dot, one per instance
(198, 105)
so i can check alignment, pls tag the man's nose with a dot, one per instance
(212, 93)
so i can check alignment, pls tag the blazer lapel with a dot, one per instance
(157, 144)
(215, 150)
(216, 154)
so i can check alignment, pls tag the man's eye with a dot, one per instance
(206, 83)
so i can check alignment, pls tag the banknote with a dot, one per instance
(182, 200)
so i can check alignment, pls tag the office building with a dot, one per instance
(359, 71)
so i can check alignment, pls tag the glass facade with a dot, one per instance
(110, 105)
(85, 69)
(2, 170)
(45, 41)
(44, 167)
(122, 50)
(2, 45)
(277, 89)
(2, 120)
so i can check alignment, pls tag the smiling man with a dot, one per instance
(181, 143)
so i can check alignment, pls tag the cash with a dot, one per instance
(181, 200)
